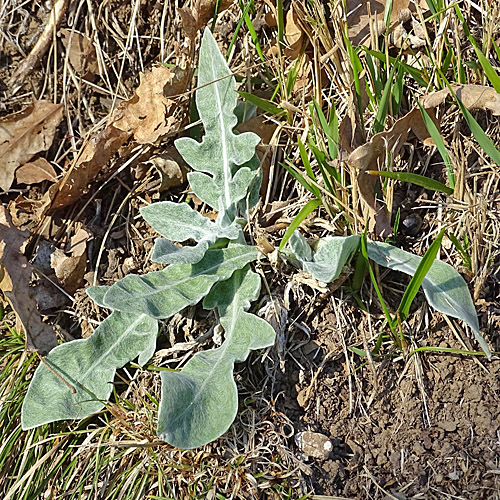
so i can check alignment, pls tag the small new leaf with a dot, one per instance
(444, 288)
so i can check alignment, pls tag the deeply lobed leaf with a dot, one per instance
(199, 403)
(218, 180)
(161, 294)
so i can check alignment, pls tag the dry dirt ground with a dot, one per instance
(422, 427)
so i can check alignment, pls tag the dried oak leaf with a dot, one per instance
(81, 52)
(15, 277)
(370, 155)
(196, 17)
(24, 134)
(148, 114)
(38, 170)
(144, 117)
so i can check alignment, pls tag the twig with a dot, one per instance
(51, 370)
(42, 44)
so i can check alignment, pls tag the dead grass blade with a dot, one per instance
(42, 44)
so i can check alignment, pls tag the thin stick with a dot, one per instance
(51, 370)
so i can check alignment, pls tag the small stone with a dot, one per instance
(411, 224)
(314, 444)
(448, 426)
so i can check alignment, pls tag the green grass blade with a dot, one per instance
(461, 250)
(263, 104)
(330, 128)
(438, 141)
(483, 140)
(411, 70)
(304, 212)
(379, 124)
(416, 281)
(419, 180)
(298, 177)
(308, 169)
(490, 73)
(387, 314)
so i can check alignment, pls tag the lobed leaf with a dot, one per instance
(444, 288)
(199, 403)
(179, 222)
(217, 180)
(161, 294)
(89, 366)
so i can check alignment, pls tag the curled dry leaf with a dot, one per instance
(70, 269)
(38, 170)
(81, 52)
(24, 134)
(358, 18)
(370, 155)
(15, 277)
(293, 33)
(197, 17)
(94, 154)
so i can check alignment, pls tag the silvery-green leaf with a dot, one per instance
(444, 288)
(331, 256)
(243, 286)
(205, 188)
(161, 294)
(179, 222)
(301, 250)
(199, 403)
(89, 366)
(221, 150)
(165, 252)
(97, 293)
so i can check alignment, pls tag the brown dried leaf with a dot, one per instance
(15, 277)
(93, 156)
(36, 171)
(24, 134)
(25, 212)
(145, 117)
(70, 269)
(358, 19)
(370, 155)
(196, 17)
(148, 114)
(293, 33)
(81, 52)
